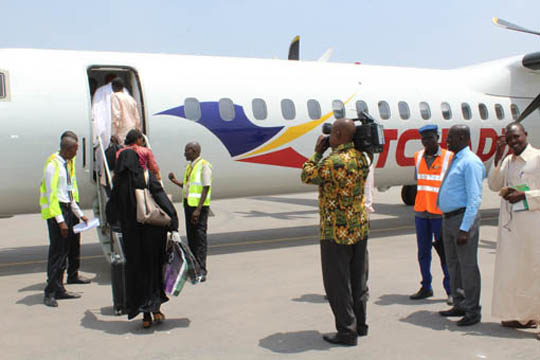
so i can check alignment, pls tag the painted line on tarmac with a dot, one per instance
(35, 262)
(255, 242)
(316, 236)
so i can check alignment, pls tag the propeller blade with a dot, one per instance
(508, 25)
(326, 56)
(294, 49)
(535, 104)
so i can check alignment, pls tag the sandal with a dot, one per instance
(147, 321)
(159, 317)
(518, 325)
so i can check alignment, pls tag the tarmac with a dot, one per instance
(263, 299)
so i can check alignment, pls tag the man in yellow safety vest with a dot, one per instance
(74, 254)
(60, 209)
(196, 191)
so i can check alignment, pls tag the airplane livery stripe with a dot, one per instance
(290, 134)
(239, 135)
(287, 157)
(295, 132)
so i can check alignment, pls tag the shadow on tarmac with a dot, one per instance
(400, 299)
(35, 287)
(311, 298)
(295, 342)
(123, 327)
(434, 321)
(32, 300)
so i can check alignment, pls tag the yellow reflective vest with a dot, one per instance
(193, 177)
(49, 205)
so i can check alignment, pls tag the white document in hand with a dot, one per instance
(82, 226)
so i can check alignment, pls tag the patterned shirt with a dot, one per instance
(341, 177)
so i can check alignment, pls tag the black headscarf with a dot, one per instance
(128, 176)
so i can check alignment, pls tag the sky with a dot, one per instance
(434, 34)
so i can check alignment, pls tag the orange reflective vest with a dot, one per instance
(429, 180)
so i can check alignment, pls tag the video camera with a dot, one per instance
(369, 135)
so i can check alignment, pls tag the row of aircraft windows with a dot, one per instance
(226, 109)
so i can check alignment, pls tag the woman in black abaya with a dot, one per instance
(144, 244)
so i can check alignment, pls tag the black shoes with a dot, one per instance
(421, 294)
(452, 312)
(362, 330)
(50, 301)
(67, 295)
(78, 280)
(339, 339)
(468, 320)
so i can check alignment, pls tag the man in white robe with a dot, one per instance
(101, 112)
(102, 120)
(125, 112)
(516, 288)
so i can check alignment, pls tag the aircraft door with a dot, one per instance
(100, 117)
(99, 77)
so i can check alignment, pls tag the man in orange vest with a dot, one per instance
(432, 164)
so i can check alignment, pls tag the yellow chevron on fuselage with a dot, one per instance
(293, 133)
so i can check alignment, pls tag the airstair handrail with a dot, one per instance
(105, 163)
(147, 142)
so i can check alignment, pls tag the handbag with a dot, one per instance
(148, 211)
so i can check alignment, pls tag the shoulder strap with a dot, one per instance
(146, 176)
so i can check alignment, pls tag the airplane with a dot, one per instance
(256, 119)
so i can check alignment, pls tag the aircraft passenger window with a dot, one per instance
(425, 111)
(384, 110)
(404, 111)
(226, 109)
(338, 108)
(482, 108)
(466, 111)
(2, 85)
(314, 109)
(361, 106)
(499, 111)
(446, 111)
(192, 109)
(515, 111)
(287, 109)
(259, 109)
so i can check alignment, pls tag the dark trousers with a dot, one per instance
(428, 229)
(196, 234)
(74, 257)
(344, 269)
(463, 264)
(58, 251)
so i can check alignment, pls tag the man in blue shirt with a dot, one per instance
(459, 200)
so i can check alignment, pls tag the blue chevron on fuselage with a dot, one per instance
(239, 135)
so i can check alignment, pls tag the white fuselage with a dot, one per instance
(48, 93)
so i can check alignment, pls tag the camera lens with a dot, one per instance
(327, 128)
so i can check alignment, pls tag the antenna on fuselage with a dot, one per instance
(535, 104)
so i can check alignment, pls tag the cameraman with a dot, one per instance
(343, 228)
